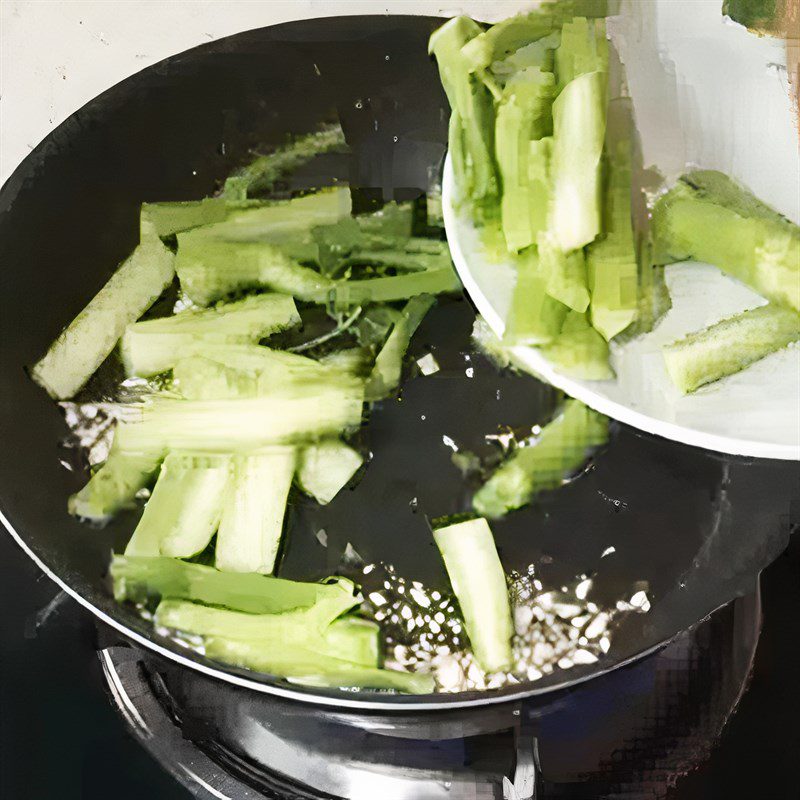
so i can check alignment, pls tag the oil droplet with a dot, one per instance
(359, 104)
(394, 138)
(386, 58)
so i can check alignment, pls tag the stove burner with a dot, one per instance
(630, 733)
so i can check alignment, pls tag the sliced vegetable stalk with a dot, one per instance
(288, 415)
(539, 184)
(355, 639)
(522, 115)
(409, 255)
(167, 219)
(708, 217)
(263, 173)
(394, 221)
(93, 334)
(309, 645)
(138, 579)
(500, 353)
(565, 274)
(184, 510)
(249, 535)
(515, 33)
(347, 294)
(579, 124)
(299, 627)
(471, 103)
(199, 378)
(115, 484)
(353, 360)
(284, 221)
(155, 345)
(583, 49)
(560, 449)
(479, 583)
(324, 469)
(210, 268)
(309, 668)
(259, 247)
(386, 373)
(535, 317)
(222, 371)
(611, 260)
(540, 53)
(579, 350)
(729, 346)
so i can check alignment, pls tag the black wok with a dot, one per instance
(697, 526)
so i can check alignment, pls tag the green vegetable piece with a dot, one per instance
(412, 255)
(114, 485)
(198, 378)
(308, 668)
(500, 353)
(138, 578)
(324, 469)
(263, 173)
(707, 217)
(240, 371)
(479, 583)
(92, 335)
(353, 360)
(300, 627)
(565, 274)
(579, 124)
(290, 414)
(611, 260)
(392, 221)
(560, 449)
(156, 345)
(540, 53)
(354, 639)
(757, 15)
(579, 350)
(183, 512)
(211, 268)
(167, 219)
(583, 49)
(511, 35)
(729, 346)
(539, 184)
(471, 101)
(310, 645)
(522, 115)
(260, 247)
(535, 317)
(348, 294)
(249, 535)
(282, 222)
(385, 377)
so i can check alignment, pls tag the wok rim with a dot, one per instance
(361, 700)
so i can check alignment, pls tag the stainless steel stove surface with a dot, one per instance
(630, 734)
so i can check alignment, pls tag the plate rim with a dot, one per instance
(533, 359)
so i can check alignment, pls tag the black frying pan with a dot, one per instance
(697, 526)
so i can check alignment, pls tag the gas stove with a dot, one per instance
(633, 733)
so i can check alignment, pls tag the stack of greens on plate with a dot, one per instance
(542, 144)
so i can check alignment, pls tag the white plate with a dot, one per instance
(754, 413)
(705, 92)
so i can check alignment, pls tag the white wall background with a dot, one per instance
(705, 91)
(56, 55)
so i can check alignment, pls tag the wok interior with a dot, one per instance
(697, 527)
